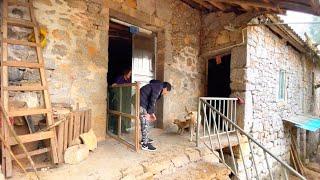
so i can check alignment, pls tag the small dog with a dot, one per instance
(189, 122)
(182, 125)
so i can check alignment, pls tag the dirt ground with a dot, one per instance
(106, 162)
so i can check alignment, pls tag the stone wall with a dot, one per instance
(267, 54)
(220, 32)
(185, 70)
(75, 55)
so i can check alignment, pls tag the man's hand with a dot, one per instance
(152, 117)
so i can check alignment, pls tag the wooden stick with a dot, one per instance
(11, 153)
(54, 124)
(294, 149)
(6, 117)
(293, 160)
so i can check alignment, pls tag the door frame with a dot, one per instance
(136, 145)
(158, 27)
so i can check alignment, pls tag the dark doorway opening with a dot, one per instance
(120, 60)
(219, 77)
(120, 51)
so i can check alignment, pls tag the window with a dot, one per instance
(282, 85)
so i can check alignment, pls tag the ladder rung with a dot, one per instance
(32, 137)
(18, 3)
(19, 42)
(24, 88)
(25, 112)
(21, 23)
(22, 64)
(33, 153)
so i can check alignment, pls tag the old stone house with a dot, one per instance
(269, 66)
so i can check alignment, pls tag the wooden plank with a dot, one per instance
(293, 160)
(6, 158)
(22, 64)
(25, 88)
(32, 137)
(20, 23)
(20, 42)
(76, 125)
(82, 113)
(219, 5)
(26, 112)
(18, 3)
(122, 114)
(60, 139)
(249, 3)
(66, 133)
(203, 3)
(33, 153)
(70, 129)
(53, 143)
(137, 119)
(85, 123)
(89, 119)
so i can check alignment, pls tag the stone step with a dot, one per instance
(169, 167)
(200, 170)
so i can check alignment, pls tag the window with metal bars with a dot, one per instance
(282, 85)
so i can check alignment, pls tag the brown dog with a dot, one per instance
(190, 121)
(182, 125)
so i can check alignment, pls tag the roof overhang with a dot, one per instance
(268, 6)
(307, 122)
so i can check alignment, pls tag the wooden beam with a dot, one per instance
(245, 7)
(23, 63)
(33, 153)
(250, 3)
(219, 5)
(203, 3)
(29, 111)
(32, 137)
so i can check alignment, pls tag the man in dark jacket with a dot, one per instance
(149, 94)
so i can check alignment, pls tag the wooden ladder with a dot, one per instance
(6, 88)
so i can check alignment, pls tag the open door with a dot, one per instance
(128, 48)
(143, 60)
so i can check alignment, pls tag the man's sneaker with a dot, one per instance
(149, 141)
(148, 147)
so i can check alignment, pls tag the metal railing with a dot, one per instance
(243, 157)
(228, 107)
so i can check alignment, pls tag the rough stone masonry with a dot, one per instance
(76, 60)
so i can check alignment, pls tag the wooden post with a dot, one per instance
(137, 120)
(7, 165)
(120, 110)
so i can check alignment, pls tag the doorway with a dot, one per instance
(129, 49)
(218, 76)
(120, 51)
